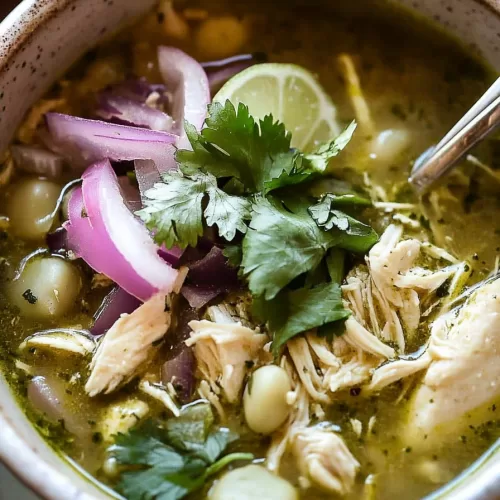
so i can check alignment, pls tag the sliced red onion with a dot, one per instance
(194, 254)
(179, 371)
(104, 233)
(57, 240)
(180, 329)
(116, 303)
(85, 141)
(44, 399)
(46, 395)
(126, 111)
(219, 72)
(147, 175)
(36, 160)
(209, 275)
(130, 193)
(213, 270)
(199, 297)
(171, 255)
(188, 83)
(180, 364)
(141, 90)
(47, 140)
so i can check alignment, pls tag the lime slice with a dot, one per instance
(292, 95)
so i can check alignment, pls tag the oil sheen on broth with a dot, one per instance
(416, 80)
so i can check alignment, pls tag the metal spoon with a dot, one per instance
(474, 126)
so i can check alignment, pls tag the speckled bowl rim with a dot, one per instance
(16, 454)
(21, 24)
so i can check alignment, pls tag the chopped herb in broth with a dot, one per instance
(215, 279)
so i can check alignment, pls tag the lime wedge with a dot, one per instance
(292, 95)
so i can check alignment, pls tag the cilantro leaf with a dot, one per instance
(330, 201)
(288, 170)
(153, 483)
(318, 160)
(173, 209)
(167, 462)
(233, 254)
(227, 212)
(204, 157)
(285, 240)
(281, 245)
(295, 167)
(328, 217)
(292, 312)
(233, 144)
(215, 444)
(335, 262)
(191, 426)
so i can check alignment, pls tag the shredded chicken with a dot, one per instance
(299, 417)
(493, 174)
(304, 363)
(321, 455)
(224, 352)
(385, 299)
(128, 345)
(325, 460)
(226, 312)
(393, 371)
(355, 371)
(24, 367)
(406, 221)
(326, 367)
(358, 336)
(464, 372)
(61, 340)
(357, 426)
(398, 280)
(205, 392)
(160, 393)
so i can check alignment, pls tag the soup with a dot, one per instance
(216, 281)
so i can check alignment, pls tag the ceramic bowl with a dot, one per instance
(38, 42)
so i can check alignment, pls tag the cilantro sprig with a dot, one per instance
(295, 311)
(175, 209)
(284, 241)
(243, 177)
(167, 461)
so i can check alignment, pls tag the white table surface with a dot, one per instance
(12, 489)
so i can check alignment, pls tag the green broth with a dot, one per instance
(423, 85)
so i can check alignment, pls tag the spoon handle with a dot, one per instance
(484, 101)
(445, 156)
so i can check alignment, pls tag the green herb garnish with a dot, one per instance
(295, 311)
(168, 461)
(284, 242)
(175, 210)
(327, 216)
(242, 176)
